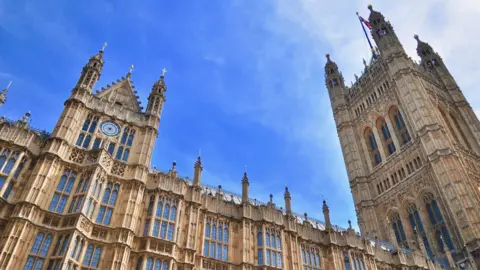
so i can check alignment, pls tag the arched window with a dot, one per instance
(372, 147)
(150, 206)
(62, 193)
(399, 125)
(39, 251)
(9, 166)
(386, 136)
(346, 260)
(398, 230)
(436, 219)
(460, 131)
(126, 141)
(149, 265)
(417, 226)
(87, 131)
(139, 263)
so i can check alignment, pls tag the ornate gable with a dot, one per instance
(122, 92)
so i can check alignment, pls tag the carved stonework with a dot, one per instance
(77, 155)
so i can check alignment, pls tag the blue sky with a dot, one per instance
(245, 78)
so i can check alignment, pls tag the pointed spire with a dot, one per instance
(130, 71)
(288, 201)
(245, 186)
(103, 47)
(197, 172)
(326, 215)
(173, 170)
(3, 94)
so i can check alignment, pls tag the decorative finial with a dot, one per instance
(9, 84)
(328, 57)
(271, 198)
(174, 164)
(416, 37)
(306, 216)
(104, 46)
(370, 7)
(164, 70)
(364, 62)
(349, 224)
(131, 69)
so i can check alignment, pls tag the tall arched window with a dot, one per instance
(386, 136)
(87, 131)
(64, 188)
(442, 235)
(372, 147)
(460, 130)
(398, 230)
(399, 125)
(108, 203)
(39, 252)
(417, 226)
(449, 125)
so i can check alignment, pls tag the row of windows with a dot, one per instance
(87, 133)
(164, 220)
(64, 189)
(216, 239)
(272, 250)
(399, 175)
(385, 136)
(7, 163)
(152, 264)
(311, 258)
(442, 236)
(41, 247)
(381, 90)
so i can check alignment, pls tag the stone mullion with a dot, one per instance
(379, 142)
(427, 225)
(393, 133)
(137, 206)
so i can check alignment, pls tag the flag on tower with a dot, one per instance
(364, 23)
(367, 23)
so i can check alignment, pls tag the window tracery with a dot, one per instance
(217, 237)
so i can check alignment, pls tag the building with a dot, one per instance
(84, 197)
(411, 144)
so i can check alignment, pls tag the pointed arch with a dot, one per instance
(435, 216)
(386, 137)
(398, 229)
(449, 125)
(372, 147)
(416, 225)
(460, 130)
(399, 125)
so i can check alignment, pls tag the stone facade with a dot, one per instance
(85, 197)
(411, 144)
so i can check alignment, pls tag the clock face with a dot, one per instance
(110, 128)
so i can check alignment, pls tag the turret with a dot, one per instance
(432, 62)
(288, 201)
(245, 185)
(197, 173)
(383, 34)
(157, 96)
(3, 94)
(336, 88)
(91, 72)
(326, 215)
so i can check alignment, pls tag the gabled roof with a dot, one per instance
(122, 91)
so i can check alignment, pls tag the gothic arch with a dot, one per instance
(399, 125)
(385, 136)
(372, 146)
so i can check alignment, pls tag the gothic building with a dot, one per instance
(84, 196)
(411, 145)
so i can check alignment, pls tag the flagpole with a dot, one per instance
(366, 35)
